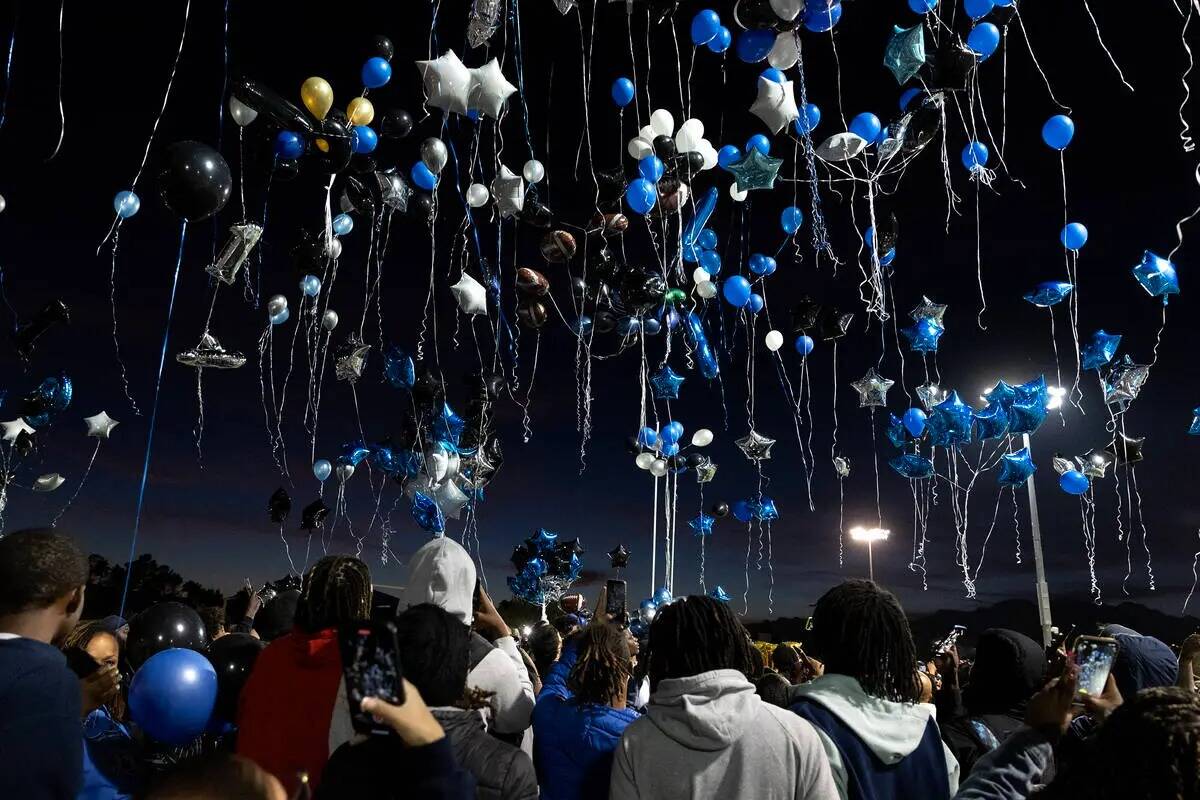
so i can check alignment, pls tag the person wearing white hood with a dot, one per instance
(706, 733)
(882, 744)
(442, 573)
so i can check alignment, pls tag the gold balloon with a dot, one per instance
(322, 145)
(317, 95)
(360, 111)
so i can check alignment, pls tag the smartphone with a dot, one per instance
(371, 666)
(1094, 655)
(80, 662)
(614, 603)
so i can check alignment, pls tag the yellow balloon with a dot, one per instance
(322, 145)
(317, 95)
(360, 111)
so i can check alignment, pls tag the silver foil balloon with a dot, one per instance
(239, 245)
(242, 114)
(329, 320)
(211, 355)
(334, 248)
(434, 154)
(276, 305)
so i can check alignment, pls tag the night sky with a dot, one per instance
(1128, 180)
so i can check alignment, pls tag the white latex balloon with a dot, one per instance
(699, 276)
(784, 53)
(787, 10)
(707, 290)
(686, 140)
(533, 171)
(662, 123)
(696, 125)
(709, 152)
(329, 320)
(644, 460)
(658, 468)
(3, 204)
(344, 471)
(774, 340)
(276, 305)
(242, 114)
(639, 148)
(647, 133)
(477, 195)
(702, 438)
(735, 193)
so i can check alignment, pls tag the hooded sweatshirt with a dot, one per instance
(878, 749)
(442, 573)
(710, 735)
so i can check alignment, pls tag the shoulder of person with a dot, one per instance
(798, 728)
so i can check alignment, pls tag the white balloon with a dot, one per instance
(658, 468)
(3, 204)
(434, 154)
(276, 305)
(787, 10)
(242, 114)
(662, 122)
(344, 471)
(639, 148)
(695, 125)
(477, 195)
(784, 53)
(709, 152)
(707, 290)
(644, 460)
(686, 140)
(702, 438)
(774, 340)
(736, 193)
(647, 133)
(533, 171)
(334, 248)
(699, 276)
(329, 320)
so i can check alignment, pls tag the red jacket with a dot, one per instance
(287, 704)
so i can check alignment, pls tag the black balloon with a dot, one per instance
(25, 443)
(805, 315)
(664, 147)
(27, 334)
(420, 206)
(313, 516)
(357, 195)
(535, 214)
(363, 164)
(163, 626)
(520, 557)
(337, 150)
(276, 617)
(396, 123)
(280, 505)
(641, 289)
(270, 104)
(194, 180)
(619, 556)
(633, 445)
(232, 656)
(835, 324)
(285, 169)
(720, 509)
(382, 46)
(757, 14)
(428, 391)
(604, 321)
(696, 459)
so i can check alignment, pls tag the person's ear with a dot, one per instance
(74, 601)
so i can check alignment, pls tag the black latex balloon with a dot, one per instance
(280, 505)
(276, 617)
(338, 148)
(602, 264)
(271, 105)
(641, 289)
(579, 288)
(520, 557)
(163, 626)
(618, 557)
(420, 206)
(27, 334)
(720, 509)
(363, 164)
(696, 459)
(604, 321)
(757, 14)
(382, 46)
(395, 123)
(664, 147)
(232, 656)
(194, 180)
(285, 169)
(314, 514)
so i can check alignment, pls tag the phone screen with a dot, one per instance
(371, 666)
(80, 662)
(1094, 657)
(614, 603)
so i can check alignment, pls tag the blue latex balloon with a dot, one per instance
(907, 96)
(651, 168)
(623, 91)
(975, 156)
(727, 155)
(474, 114)
(710, 262)
(978, 8)
(1058, 131)
(1049, 293)
(820, 19)
(126, 204)
(707, 239)
(342, 224)
(736, 290)
(754, 45)
(705, 26)
(311, 285)
(760, 143)
(762, 264)
(1074, 482)
(922, 6)
(423, 177)
(755, 303)
(743, 510)
(689, 252)
(914, 421)
(651, 326)
(322, 469)
(912, 466)
(647, 437)
(671, 432)
(804, 345)
(288, 144)
(1157, 276)
(583, 325)
(866, 125)
(669, 449)
(1100, 350)
(983, 40)
(627, 326)
(641, 195)
(280, 318)
(720, 43)
(791, 219)
(662, 597)
(363, 139)
(172, 695)
(772, 74)
(704, 209)
(1074, 235)
(810, 117)
(376, 72)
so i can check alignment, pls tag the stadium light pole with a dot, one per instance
(870, 536)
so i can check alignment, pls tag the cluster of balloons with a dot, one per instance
(662, 152)
(545, 567)
(658, 452)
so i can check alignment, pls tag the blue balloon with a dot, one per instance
(376, 72)
(978, 8)
(1049, 293)
(707, 239)
(975, 156)
(474, 114)
(804, 345)
(791, 219)
(671, 318)
(669, 449)
(1074, 235)
(820, 19)
(280, 318)
(754, 44)
(651, 168)
(914, 421)
(647, 437)
(651, 326)
(922, 6)
(623, 91)
(728, 155)
(983, 39)
(172, 695)
(288, 144)
(761, 264)
(322, 469)
(887, 258)
(720, 43)
(126, 204)
(866, 125)
(1157, 276)
(1058, 131)
(743, 510)
(311, 285)
(907, 96)
(423, 177)
(912, 466)
(809, 117)
(706, 359)
(690, 252)
(710, 262)
(760, 143)
(705, 26)
(1074, 482)
(627, 326)
(342, 224)
(363, 139)
(641, 195)
(736, 291)
(755, 303)
(671, 432)
(772, 74)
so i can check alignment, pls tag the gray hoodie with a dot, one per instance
(710, 735)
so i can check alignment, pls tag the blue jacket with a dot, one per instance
(112, 763)
(573, 742)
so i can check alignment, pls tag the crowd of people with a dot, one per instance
(582, 708)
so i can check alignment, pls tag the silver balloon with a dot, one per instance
(329, 320)
(3, 204)
(276, 305)
(242, 114)
(344, 471)
(334, 248)
(434, 154)
(477, 195)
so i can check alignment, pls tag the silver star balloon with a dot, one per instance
(351, 359)
(394, 191)
(1095, 463)
(929, 310)
(706, 471)
(210, 354)
(14, 428)
(100, 425)
(564, 6)
(872, 389)
(237, 249)
(48, 482)
(1124, 382)
(930, 394)
(1063, 464)
(755, 446)
(470, 295)
(448, 82)
(508, 190)
(841, 465)
(491, 89)
(775, 104)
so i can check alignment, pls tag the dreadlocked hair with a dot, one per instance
(603, 665)
(336, 589)
(1149, 748)
(859, 629)
(78, 639)
(698, 634)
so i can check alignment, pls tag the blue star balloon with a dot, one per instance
(353, 453)
(895, 431)
(1157, 276)
(666, 383)
(698, 339)
(905, 52)
(1026, 417)
(718, 593)
(923, 336)
(1015, 468)
(1049, 293)
(991, 422)
(542, 541)
(765, 509)
(1030, 391)
(912, 466)
(398, 369)
(755, 171)
(702, 525)
(949, 424)
(1194, 430)
(1002, 394)
(427, 514)
(448, 425)
(385, 459)
(1100, 350)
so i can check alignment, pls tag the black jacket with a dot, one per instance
(501, 771)
(382, 768)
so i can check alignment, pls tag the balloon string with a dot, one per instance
(62, 114)
(1185, 135)
(1104, 47)
(1016, 523)
(198, 430)
(79, 486)
(1195, 578)
(162, 361)
(1179, 224)
(12, 44)
(112, 299)
(1032, 55)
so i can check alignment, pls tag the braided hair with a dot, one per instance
(79, 638)
(603, 665)
(859, 629)
(698, 634)
(336, 589)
